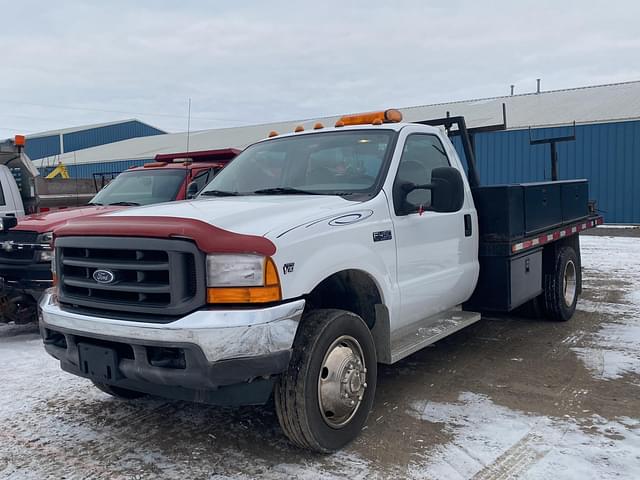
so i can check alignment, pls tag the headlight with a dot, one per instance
(44, 255)
(46, 237)
(235, 270)
(242, 279)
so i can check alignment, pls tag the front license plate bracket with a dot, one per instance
(98, 363)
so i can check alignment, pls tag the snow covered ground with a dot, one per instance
(505, 398)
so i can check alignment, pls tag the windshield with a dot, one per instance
(142, 187)
(331, 163)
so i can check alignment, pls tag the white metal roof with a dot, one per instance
(595, 104)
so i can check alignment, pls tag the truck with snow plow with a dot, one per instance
(313, 257)
(25, 248)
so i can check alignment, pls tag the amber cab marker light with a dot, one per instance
(339, 123)
(299, 128)
(269, 292)
(318, 126)
(273, 133)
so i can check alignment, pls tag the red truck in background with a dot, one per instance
(25, 243)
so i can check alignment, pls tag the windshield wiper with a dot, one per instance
(284, 191)
(126, 204)
(218, 193)
(95, 203)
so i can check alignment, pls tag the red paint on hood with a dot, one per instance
(49, 221)
(210, 239)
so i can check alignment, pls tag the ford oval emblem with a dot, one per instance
(104, 276)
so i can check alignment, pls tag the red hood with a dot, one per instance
(49, 221)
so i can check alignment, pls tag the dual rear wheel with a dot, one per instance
(561, 286)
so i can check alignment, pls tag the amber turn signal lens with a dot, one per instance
(243, 295)
(269, 292)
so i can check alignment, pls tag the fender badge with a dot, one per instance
(288, 268)
(382, 236)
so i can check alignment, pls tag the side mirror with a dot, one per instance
(7, 222)
(447, 194)
(192, 190)
(447, 190)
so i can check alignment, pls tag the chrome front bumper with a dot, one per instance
(219, 334)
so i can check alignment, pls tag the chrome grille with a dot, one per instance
(144, 276)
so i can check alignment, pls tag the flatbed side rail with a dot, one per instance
(556, 234)
(519, 246)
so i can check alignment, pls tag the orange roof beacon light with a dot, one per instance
(299, 128)
(375, 118)
(318, 126)
(19, 140)
(273, 133)
(154, 164)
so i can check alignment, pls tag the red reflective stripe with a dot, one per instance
(209, 239)
(562, 233)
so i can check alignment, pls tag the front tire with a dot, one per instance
(561, 286)
(324, 398)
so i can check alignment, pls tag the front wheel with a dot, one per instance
(561, 286)
(324, 398)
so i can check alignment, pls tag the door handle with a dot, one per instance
(468, 226)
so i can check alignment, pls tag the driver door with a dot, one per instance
(430, 244)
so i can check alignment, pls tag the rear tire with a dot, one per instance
(119, 392)
(324, 398)
(561, 286)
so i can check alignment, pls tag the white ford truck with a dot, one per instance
(310, 259)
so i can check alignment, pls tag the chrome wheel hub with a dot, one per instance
(570, 284)
(342, 381)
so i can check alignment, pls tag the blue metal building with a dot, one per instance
(57, 142)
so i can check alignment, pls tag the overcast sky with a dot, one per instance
(71, 63)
